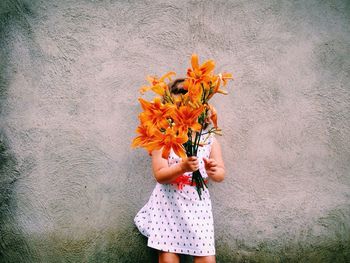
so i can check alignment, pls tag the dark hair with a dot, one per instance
(174, 87)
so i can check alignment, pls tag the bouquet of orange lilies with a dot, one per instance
(168, 122)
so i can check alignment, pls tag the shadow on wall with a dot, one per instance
(13, 245)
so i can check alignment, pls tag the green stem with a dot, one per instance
(189, 144)
(199, 138)
(194, 145)
(203, 93)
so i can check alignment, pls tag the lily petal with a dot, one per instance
(180, 151)
(194, 61)
(166, 151)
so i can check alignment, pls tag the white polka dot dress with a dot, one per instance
(176, 220)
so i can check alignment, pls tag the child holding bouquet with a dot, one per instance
(175, 130)
(174, 219)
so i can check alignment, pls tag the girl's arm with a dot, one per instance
(215, 165)
(165, 174)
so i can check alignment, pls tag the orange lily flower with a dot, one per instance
(224, 77)
(194, 89)
(213, 115)
(157, 85)
(200, 72)
(198, 76)
(146, 136)
(155, 113)
(187, 117)
(171, 138)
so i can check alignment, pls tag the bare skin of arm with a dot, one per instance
(214, 166)
(165, 174)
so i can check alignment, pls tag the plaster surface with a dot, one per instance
(69, 78)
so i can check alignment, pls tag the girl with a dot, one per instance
(174, 219)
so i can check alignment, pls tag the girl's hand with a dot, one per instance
(210, 166)
(190, 164)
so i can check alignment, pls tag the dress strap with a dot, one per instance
(209, 139)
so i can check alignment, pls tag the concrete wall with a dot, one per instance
(69, 78)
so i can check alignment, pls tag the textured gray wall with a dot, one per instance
(69, 78)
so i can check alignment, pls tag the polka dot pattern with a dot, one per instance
(177, 220)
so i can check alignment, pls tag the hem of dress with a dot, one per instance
(178, 250)
(141, 229)
(144, 234)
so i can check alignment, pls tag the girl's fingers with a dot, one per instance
(210, 162)
(213, 164)
(207, 162)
